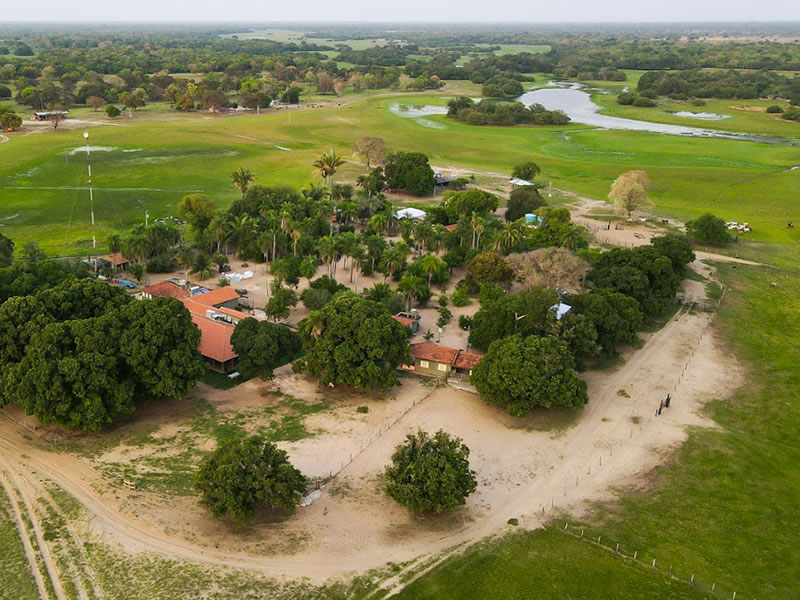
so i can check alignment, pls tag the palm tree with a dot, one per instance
(265, 240)
(572, 238)
(432, 265)
(357, 258)
(219, 260)
(312, 324)
(137, 271)
(394, 259)
(240, 228)
(378, 222)
(375, 247)
(185, 259)
(327, 165)
(326, 247)
(308, 268)
(242, 178)
(412, 286)
(114, 243)
(315, 192)
(346, 212)
(202, 266)
(219, 228)
(295, 238)
(406, 229)
(510, 236)
(378, 292)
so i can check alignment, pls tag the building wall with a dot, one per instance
(232, 304)
(431, 368)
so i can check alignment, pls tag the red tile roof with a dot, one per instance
(434, 352)
(215, 338)
(407, 321)
(452, 227)
(217, 296)
(467, 360)
(164, 288)
(117, 259)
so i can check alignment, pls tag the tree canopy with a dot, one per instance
(708, 229)
(245, 474)
(409, 171)
(522, 373)
(629, 192)
(353, 341)
(526, 312)
(431, 473)
(262, 346)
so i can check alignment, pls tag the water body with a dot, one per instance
(700, 115)
(579, 107)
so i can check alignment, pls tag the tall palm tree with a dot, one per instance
(242, 178)
(394, 259)
(312, 325)
(346, 212)
(375, 247)
(378, 292)
(114, 243)
(295, 238)
(432, 265)
(378, 222)
(220, 230)
(264, 243)
(412, 286)
(327, 165)
(185, 259)
(315, 192)
(406, 229)
(357, 258)
(326, 247)
(240, 229)
(478, 228)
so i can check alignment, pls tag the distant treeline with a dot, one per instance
(720, 84)
(491, 112)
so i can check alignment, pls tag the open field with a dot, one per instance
(158, 156)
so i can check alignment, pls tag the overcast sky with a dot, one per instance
(520, 11)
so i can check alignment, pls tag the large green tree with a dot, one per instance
(197, 210)
(616, 317)
(262, 346)
(159, 346)
(353, 341)
(708, 229)
(409, 171)
(522, 373)
(431, 473)
(243, 475)
(525, 312)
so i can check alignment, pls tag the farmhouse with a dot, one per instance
(441, 361)
(117, 261)
(213, 311)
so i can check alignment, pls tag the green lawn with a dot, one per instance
(544, 564)
(158, 156)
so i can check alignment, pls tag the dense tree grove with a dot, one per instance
(489, 112)
(262, 346)
(431, 473)
(81, 353)
(244, 475)
(353, 341)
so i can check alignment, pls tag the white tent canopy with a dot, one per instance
(411, 213)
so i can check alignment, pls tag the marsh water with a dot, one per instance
(579, 107)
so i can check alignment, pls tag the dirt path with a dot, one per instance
(526, 474)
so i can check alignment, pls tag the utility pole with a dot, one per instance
(91, 193)
(146, 218)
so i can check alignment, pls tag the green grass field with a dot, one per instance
(17, 579)
(158, 156)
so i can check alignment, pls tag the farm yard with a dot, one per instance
(627, 395)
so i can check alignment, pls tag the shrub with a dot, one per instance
(465, 322)
(774, 108)
(443, 300)
(644, 102)
(460, 298)
(444, 317)
(314, 299)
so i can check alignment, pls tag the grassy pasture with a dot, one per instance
(158, 156)
(17, 579)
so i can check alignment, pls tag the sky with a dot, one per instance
(480, 11)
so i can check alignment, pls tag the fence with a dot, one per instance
(384, 429)
(667, 567)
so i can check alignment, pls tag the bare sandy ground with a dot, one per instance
(526, 468)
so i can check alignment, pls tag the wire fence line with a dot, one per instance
(388, 424)
(666, 568)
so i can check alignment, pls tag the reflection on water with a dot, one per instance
(415, 111)
(699, 115)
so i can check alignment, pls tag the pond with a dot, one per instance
(699, 115)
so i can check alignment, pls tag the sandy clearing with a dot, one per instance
(522, 471)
